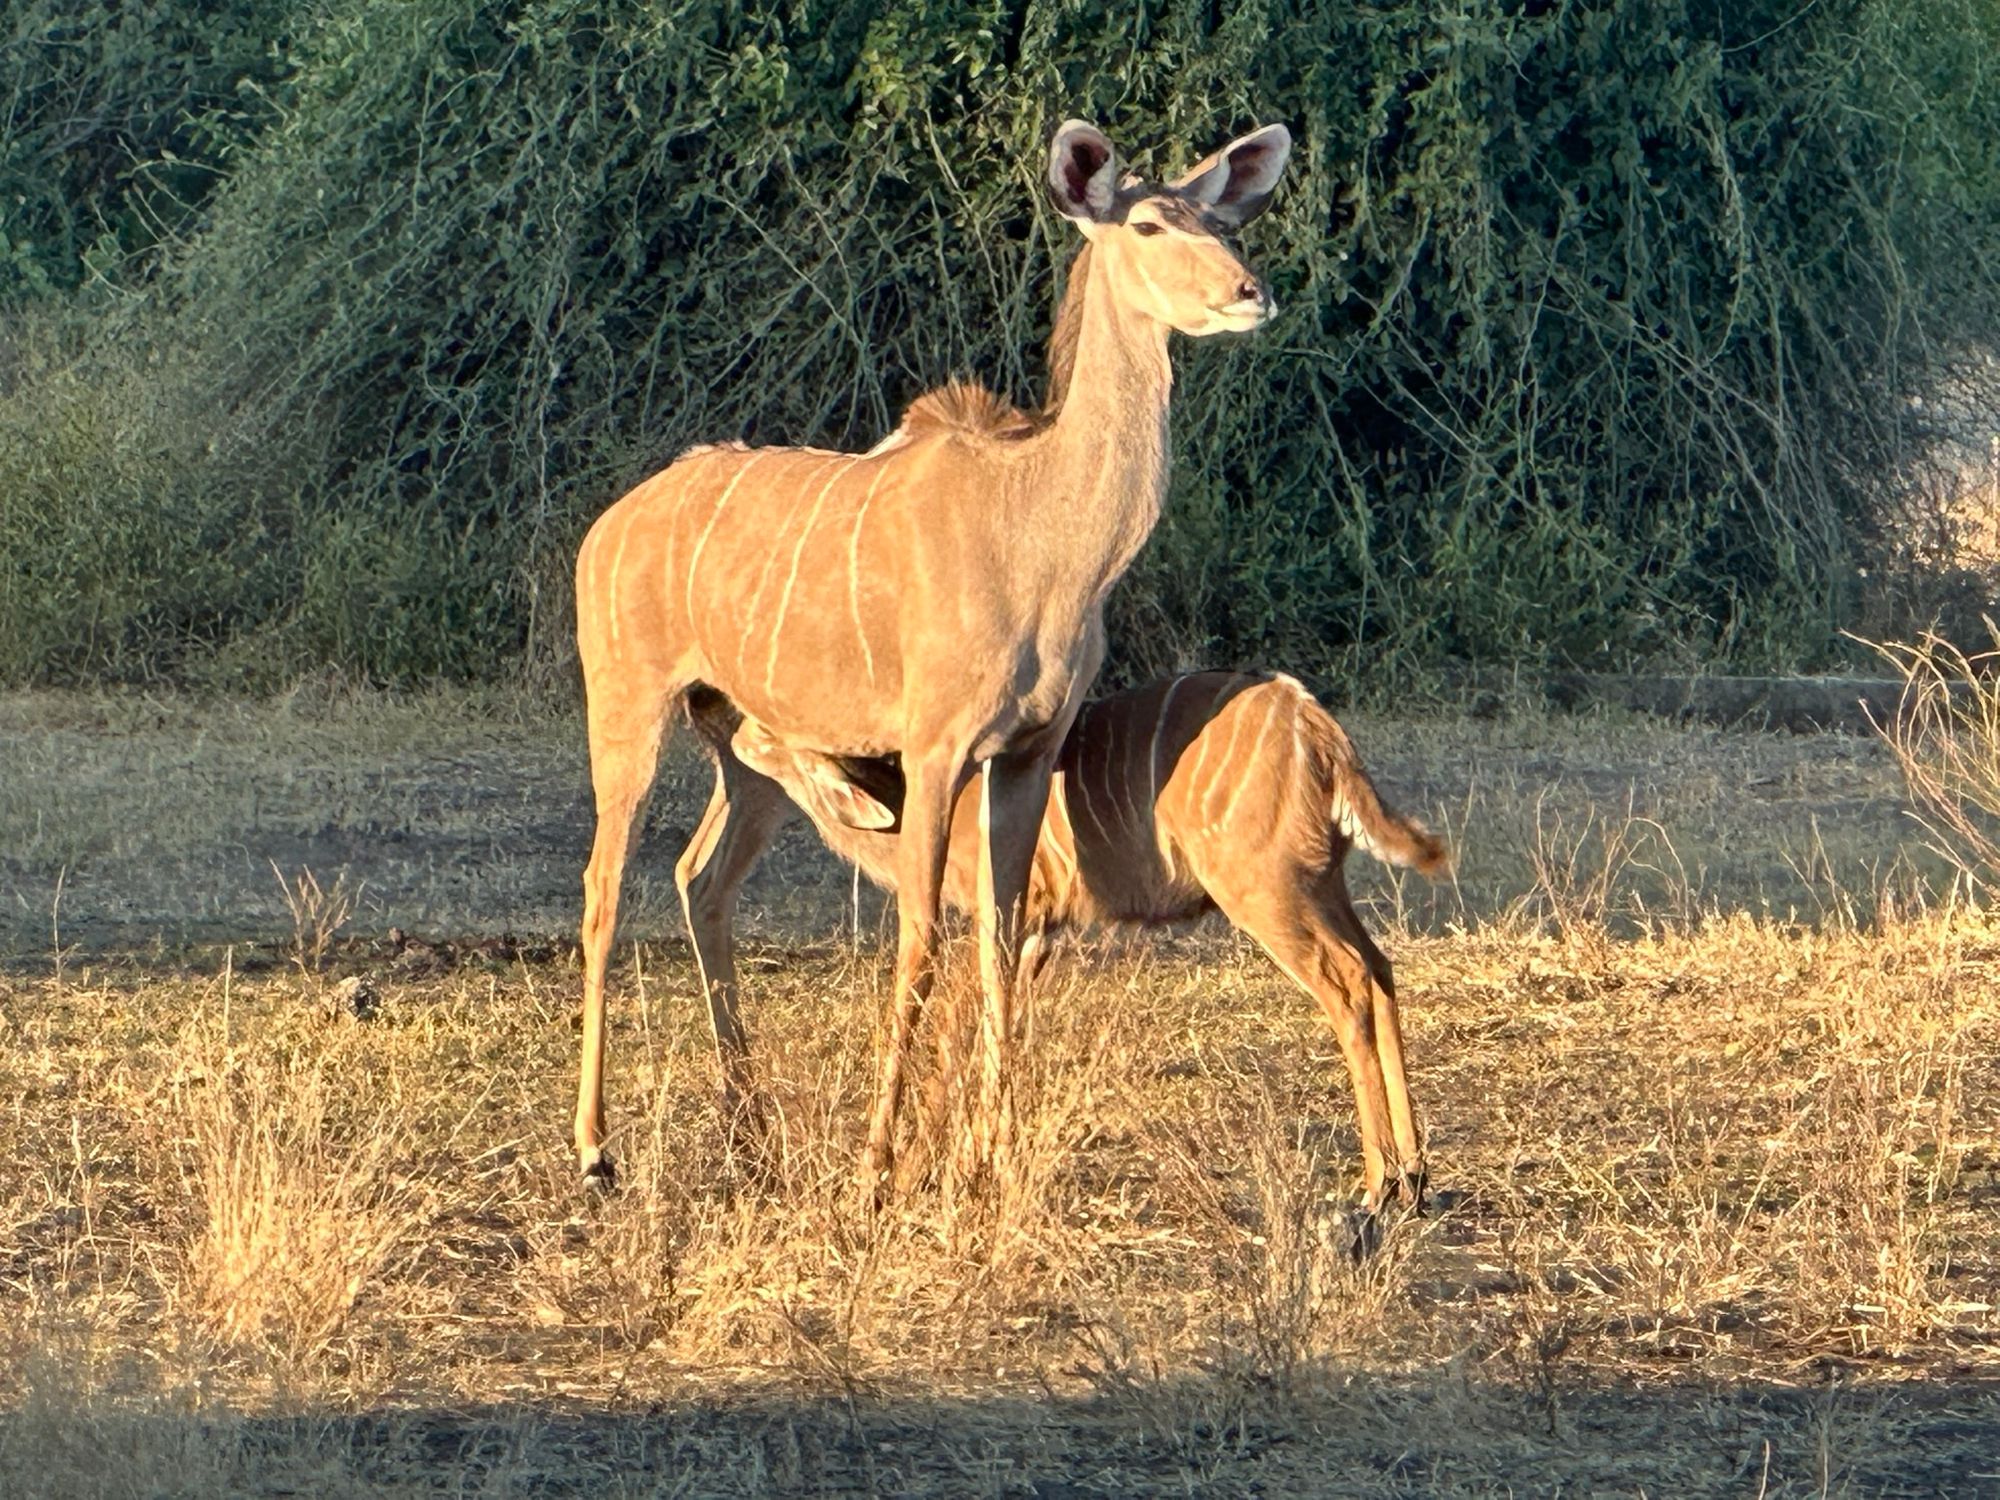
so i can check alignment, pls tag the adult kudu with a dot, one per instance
(939, 597)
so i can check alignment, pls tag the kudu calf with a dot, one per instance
(1215, 790)
(939, 597)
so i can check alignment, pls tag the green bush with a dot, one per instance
(1600, 320)
(116, 119)
(135, 537)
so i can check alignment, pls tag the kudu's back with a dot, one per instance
(1174, 796)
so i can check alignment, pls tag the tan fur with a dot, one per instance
(1157, 764)
(971, 407)
(939, 597)
(1068, 328)
(1347, 806)
(968, 407)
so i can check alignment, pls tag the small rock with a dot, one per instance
(357, 994)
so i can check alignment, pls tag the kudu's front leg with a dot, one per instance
(930, 790)
(1013, 795)
(625, 729)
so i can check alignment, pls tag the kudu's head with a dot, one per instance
(1156, 246)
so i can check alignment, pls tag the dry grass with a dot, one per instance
(1946, 738)
(300, 1208)
(318, 913)
(1715, 1213)
(1728, 1165)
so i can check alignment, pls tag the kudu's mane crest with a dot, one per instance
(967, 406)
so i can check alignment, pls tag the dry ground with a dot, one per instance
(152, 823)
(1709, 1082)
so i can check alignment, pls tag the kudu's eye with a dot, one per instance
(1149, 228)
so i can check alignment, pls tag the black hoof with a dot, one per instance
(358, 996)
(601, 1176)
(1414, 1191)
(1361, 1234)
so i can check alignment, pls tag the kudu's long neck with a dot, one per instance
(1063, 336)
(1104, 476)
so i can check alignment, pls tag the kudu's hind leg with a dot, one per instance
(1286, 920)
(1338, 909)
(625, 730)
(744, 811)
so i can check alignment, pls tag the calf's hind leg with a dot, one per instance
(744, 810)
(1289, 923)
(1337, 908)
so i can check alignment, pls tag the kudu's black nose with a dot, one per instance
(1250, 291)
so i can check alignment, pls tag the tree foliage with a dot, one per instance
(1601, 320)
(117, 120)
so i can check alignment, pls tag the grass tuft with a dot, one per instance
(301, 1208)
(1946, 739)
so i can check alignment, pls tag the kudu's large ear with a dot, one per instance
(1083, 171)
(1235, 185)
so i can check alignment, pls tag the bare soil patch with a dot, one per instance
(126, 822)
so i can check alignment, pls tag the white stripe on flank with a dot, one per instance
(694, 562)
(1243, 779)
(1083, 786)
(1228, 759)
(1206, 740)
(1142, 806)
(751, 612)
(1153, 755)
(854, 572)
(617, 558)
(798, 551)
(1120, 759)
